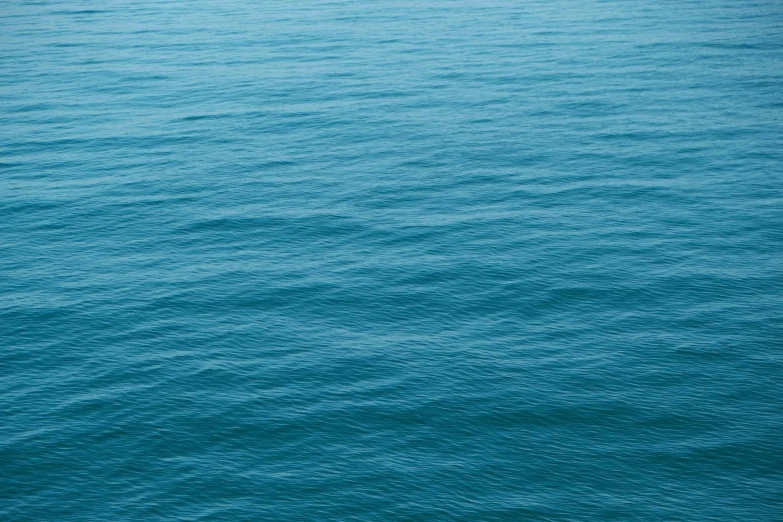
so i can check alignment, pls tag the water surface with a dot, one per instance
(356, 261)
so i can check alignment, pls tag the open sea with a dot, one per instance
(355, 260)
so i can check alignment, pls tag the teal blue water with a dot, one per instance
(343, 260)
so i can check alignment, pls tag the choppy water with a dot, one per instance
(355, 261)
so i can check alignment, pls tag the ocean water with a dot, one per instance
(342, 260)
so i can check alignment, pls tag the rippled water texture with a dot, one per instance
(391, 260)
